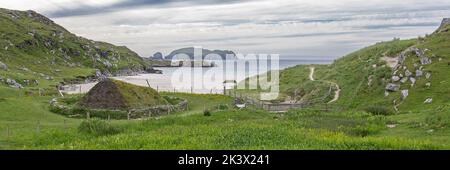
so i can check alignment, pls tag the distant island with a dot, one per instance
(158, 60)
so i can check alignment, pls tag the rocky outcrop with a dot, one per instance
(395, 78)
(444, 25)
(14, 84)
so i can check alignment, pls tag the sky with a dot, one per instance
(303, 29)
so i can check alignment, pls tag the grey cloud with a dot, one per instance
(90, 10)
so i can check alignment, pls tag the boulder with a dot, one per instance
(386, 93)
(425, 60)
(404, 80)
(428, 75)
(408, 73)
(13, 83)
(428, 84)
(419, 73)
(392, 87)
(395, 78)
(405, 94)
(107, 64)
(428, 100)
(3, 66)
(157, 56)
(413, 81)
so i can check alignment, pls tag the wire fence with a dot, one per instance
(281, 107)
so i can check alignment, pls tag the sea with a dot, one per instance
(202, 80)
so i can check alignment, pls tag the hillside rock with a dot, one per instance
(31, 31)
(395, 78)
(405, 94)
(117, 95)
(404, 80)
(425, 60)
(13, 83)
(428, 75)
(419, 73)
(428, 100)
(392, 87)
(3, 66)
(413, 81)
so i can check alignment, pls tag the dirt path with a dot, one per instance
(338, 89)
(311, 73)
(336, 93)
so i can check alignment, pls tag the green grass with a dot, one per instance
(241, 130)
(229, 129)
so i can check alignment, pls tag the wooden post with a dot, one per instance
(128, 115)
(88, 115)
(192, 90)
(40, 93)
(148, 83)
(80, 88)
(109, 117)
(210, 92)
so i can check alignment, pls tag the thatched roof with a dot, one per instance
(114, 94)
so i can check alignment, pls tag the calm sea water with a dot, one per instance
(203, 80)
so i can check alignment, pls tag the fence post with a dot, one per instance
(128, 115)
(88, 115)
(148, 83)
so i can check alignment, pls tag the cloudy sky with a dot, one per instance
(293, 28)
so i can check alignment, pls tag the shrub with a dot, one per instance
(378, 110)
(222, 107)
(98, 128)
(206, 112)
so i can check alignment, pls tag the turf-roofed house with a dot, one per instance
(118, 100)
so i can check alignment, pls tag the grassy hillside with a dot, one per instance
(38, 52)
(363, 75)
